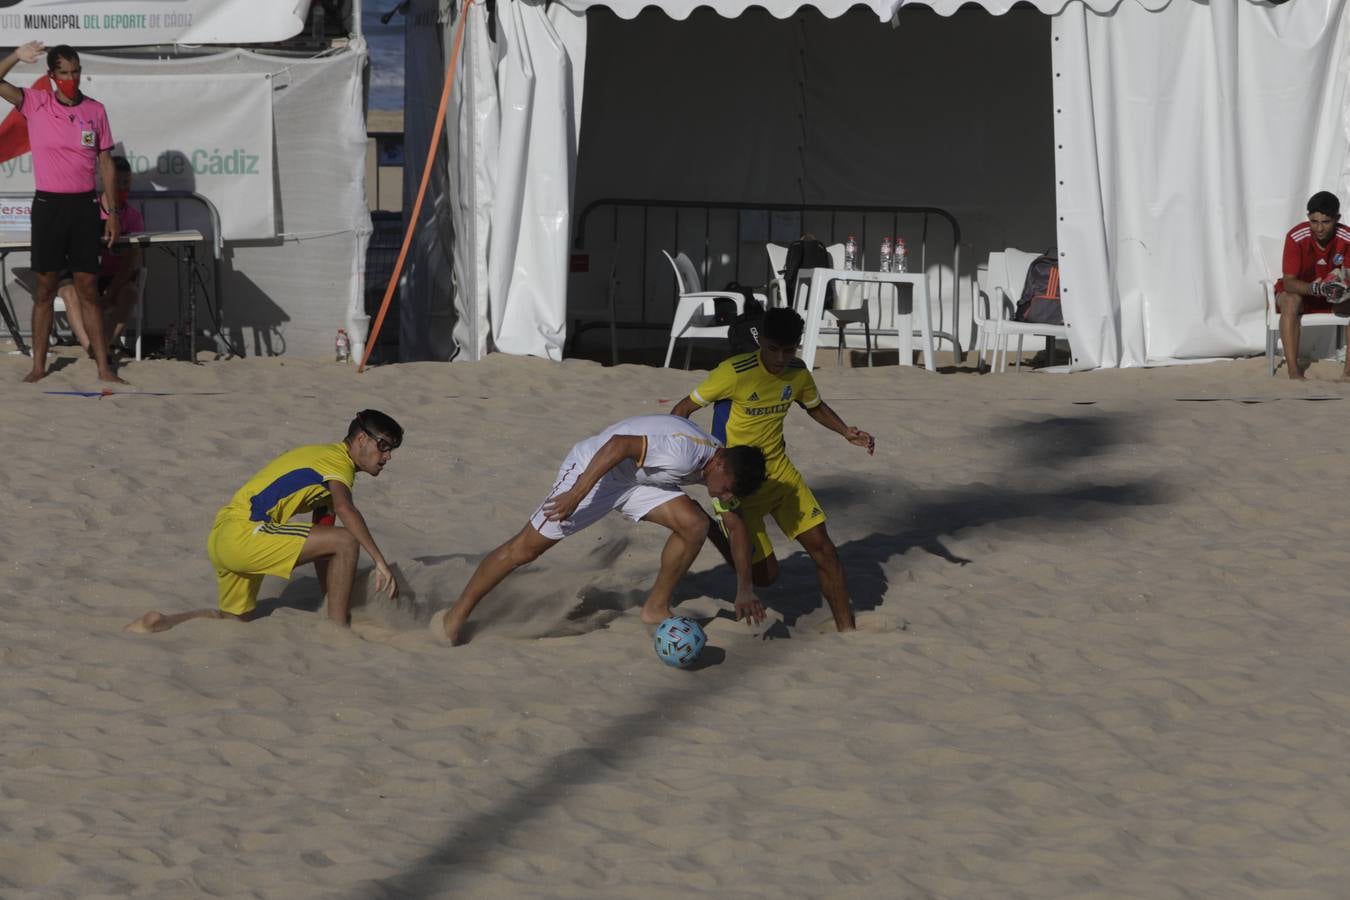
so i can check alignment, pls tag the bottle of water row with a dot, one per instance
(851, 252)
(900, 257)
(342, 346)
(886, 254)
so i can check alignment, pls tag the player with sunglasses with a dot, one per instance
(255, 534)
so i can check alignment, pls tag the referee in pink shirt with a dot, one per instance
(69, 135)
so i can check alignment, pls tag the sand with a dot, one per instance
(1103, 652)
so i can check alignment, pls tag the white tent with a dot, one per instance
(274, 139)
(1180, 131)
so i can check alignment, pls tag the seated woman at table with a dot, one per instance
(117, 294)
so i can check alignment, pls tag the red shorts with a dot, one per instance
(1311, 305)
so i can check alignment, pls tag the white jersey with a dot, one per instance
(675, 450)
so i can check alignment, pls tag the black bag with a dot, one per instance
(1040, 294)
(724, 308)
(743, 334)
(806, 253)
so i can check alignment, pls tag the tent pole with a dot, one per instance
(437, 129)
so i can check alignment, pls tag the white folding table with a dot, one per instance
(815, 281)
(187, 239)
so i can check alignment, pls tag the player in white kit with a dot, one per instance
(638, 467)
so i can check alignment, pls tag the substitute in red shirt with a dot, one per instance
(1315, 255)
(70, 138)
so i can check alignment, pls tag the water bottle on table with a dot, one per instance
(886, 254)
(900, 257)
(851, 252)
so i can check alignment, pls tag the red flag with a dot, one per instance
(14, 128)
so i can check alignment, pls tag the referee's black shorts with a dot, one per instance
(67, 232)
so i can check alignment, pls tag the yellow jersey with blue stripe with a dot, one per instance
(750, 403)
(295, 482)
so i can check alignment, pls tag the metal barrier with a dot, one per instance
(764, 222)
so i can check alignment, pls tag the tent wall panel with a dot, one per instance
(290, 295)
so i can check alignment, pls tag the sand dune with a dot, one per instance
(1102, 651)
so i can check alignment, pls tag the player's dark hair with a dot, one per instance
(58, 53)
(747, 469)
(782, 326)
(375, 423)
(1325, 202)
(121, 164)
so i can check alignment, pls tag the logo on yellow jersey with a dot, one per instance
(787, 393)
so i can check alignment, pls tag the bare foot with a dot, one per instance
(149, 623)
(443, 626)
(1295, 375)
(654, 615)
(110, 375)
(154, 622)
(34, 376)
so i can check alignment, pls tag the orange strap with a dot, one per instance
(1051, 286)
(421, 188)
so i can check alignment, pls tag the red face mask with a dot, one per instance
(69, 88)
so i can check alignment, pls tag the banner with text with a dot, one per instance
(129, 23)
(206, 133)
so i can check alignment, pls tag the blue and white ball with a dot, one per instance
(679, 641)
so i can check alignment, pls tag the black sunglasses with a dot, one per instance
(381, 444)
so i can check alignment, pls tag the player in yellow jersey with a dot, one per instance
(254, 534)
(752, 393)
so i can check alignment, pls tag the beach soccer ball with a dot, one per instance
(679, 641)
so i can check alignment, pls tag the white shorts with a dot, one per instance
(614, 491)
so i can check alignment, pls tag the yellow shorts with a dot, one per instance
(244, 551)
(789, 501)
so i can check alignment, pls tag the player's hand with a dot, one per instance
(385, 582)
(749, 609)
(859, 438)
(31, 52)
(560, 508)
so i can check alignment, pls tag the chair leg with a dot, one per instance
(1270, 351)
(670, 351)
(839, 353)
(867, 337)
(688, 353)
(1018, 367)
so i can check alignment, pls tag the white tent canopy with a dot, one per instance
(1182, 131)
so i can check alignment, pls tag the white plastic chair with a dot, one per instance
(1270, 251)
(696, 309)
(777, 282)
(1006, 282)
(843, 315)
(982, 318)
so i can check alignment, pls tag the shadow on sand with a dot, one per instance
(1042, 451)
